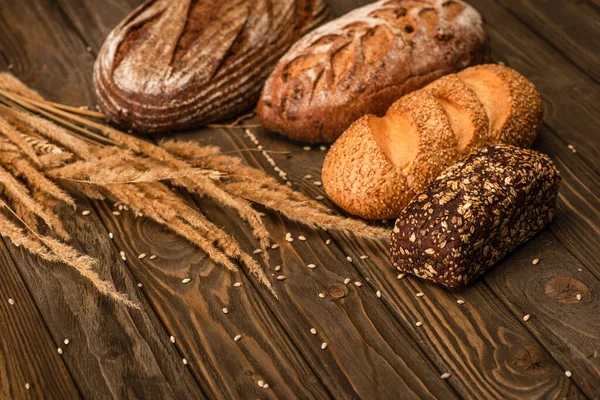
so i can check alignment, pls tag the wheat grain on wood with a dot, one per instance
(49, 152)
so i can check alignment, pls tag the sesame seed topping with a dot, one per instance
(186, 280)
(237, 338)
(568, 374)
(86, 212)
(311, 266)
(430, 251)
(526, 317)
(446, 375)
(419, 323)
(535, 261)
(172, 339)
(225, 310)
(313, 331)
(324, 345)
(459, 301)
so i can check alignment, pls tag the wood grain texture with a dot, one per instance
(28, 353)
(569, 26)
(481, 342)
(566, 91)
(113, 351)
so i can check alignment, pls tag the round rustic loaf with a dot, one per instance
(178, 64)
(364, 61)
(379, 164)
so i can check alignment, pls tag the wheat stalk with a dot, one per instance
(48, 149)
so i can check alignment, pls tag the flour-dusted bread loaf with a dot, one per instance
(378, 165)
(177, 64)
(364, 61)
(475, 213)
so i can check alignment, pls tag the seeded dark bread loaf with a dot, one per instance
(364, 61)
(474, 214)
(177, 64)
(377, 166)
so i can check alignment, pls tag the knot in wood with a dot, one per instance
(564, 290)
(529, 358)
(337, 291)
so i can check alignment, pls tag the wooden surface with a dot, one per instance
(375, 350)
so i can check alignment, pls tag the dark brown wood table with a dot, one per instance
(375, 348)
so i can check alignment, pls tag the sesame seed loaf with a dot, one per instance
(364, 61)
(178, 64)
(379, 164)
(476, 212)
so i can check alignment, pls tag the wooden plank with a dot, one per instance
(568, 327)
(572, 27)
(481, 343)
(113, 351)
(193, 314)
(571, 99)
(577, 222)
(28, 355)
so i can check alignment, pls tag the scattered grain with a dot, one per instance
(225, 310)
(278, 268)
(116, 213)
(237, 338)
(419, 323)
(153, 257)
(568, 374)
(446, 375)
(110, 235)
(185, 361)
(306, 148)
(237, 284)
(321, 295)
(317, 183)
(378, 293)
(257, 251)
(323, 148)
(328, 241)
(526, 317)
(319, 197)
(266, 386)
(27, 386)
(459, 301)
(311, 266)
(275, 246)
(260, 383)
(66, 342)
(140, 284)
(186, 280)
(172, 339)
(364, 257)
(301, 238)
(346, 281)
(535, 261)
(307, 176)
(401, 276)
(420, 294)
(11, 302)
(358, 283)
(281, 277)
(324, 345)
(60, 351)
(142, 256)
(86, 212)
(349, 258)
(313, 331)
(578, 296)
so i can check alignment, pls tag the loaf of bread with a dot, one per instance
(364, 61)
(378, 165)
(475, 213)
(177, 64)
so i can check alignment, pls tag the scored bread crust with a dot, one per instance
(366, 180)
(178, 64)
(364, 61)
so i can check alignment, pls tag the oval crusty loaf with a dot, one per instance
(474, 214)
(177, 64)
(364, 61)
(375, 168)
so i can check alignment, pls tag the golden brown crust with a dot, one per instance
(361, 179)
(364, 61)
(177, 64)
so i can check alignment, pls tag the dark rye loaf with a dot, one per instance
(364, 61)
(178, 64)
(474, 214)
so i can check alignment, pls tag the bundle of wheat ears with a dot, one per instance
(49, 149)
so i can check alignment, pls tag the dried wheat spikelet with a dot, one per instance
(49, 149)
